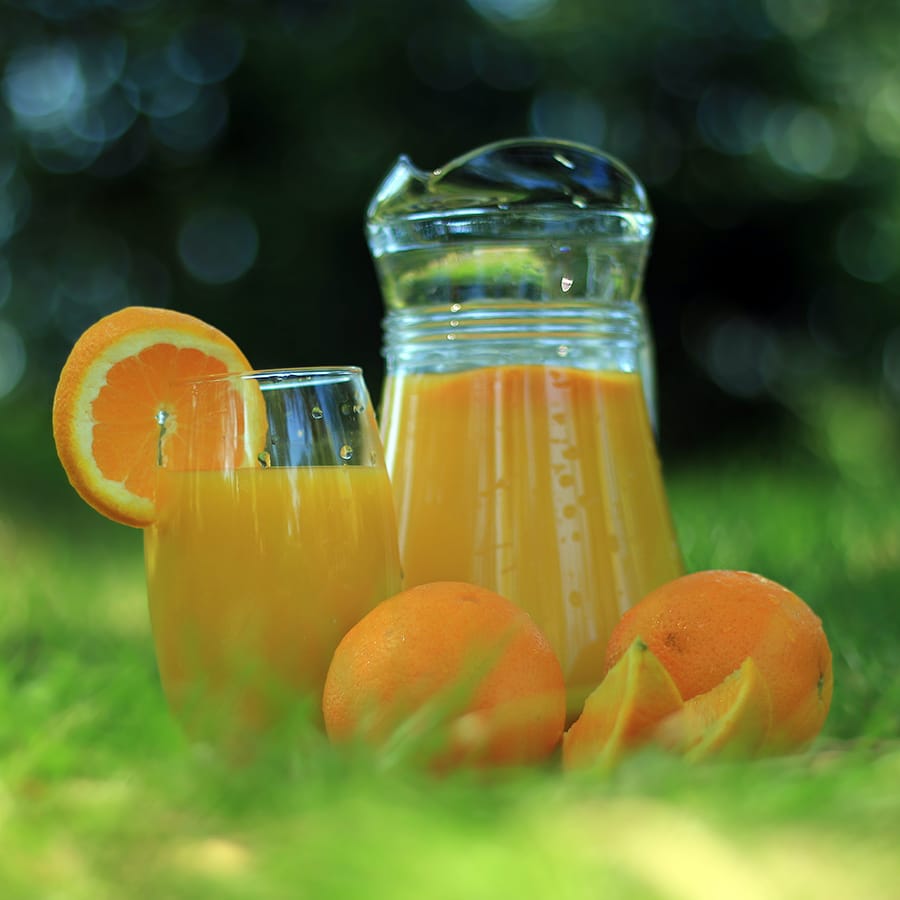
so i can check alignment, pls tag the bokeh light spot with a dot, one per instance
(12, 358)
(731, 119)
(42, 83)
(65, 156)
(102, 60)
(154, 89)
(218, 245)
(196, 128)
(867, 246)
(800, 139)
(206, 52)
(882, 119)
(104, 121)
(741, 356)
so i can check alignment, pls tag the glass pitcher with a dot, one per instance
(517, 405)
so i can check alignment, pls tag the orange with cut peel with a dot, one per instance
(703, 626)
(461, 669)
(732, 719)
(118, 406)
(621, 713)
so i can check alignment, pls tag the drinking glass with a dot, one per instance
(275, 535)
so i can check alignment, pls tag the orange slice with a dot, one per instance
(620, 714)
(118, 407)
(732, 719)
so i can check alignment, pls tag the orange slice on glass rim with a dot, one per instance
(122, 399)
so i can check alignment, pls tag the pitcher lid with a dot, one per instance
(514, 190)
(520, 172)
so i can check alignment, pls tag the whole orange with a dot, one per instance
(466, 668)
(702, 626)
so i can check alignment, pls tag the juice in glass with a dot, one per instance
(541, 482)
(256, 571)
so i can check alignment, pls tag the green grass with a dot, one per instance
(100, 796)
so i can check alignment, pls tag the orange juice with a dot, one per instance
(255, 575)
(540, 482)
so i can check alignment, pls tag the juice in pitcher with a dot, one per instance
(541, 482)
(516, 411)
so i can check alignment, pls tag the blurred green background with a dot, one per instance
(218, 158)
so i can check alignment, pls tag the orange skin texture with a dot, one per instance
(110, 389)
(702, 627)
(472, 658)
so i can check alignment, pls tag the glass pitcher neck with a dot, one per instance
(551, 270)
(463, 336)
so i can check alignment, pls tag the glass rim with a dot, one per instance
(295, 376)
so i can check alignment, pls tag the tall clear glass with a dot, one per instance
(518, 404)
(276, 534)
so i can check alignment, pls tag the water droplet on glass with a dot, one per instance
(346, 408)
(454, 323)
(264, 459)
(316, 412)
(566, 283)
(562, 350)
(373, 458)
(451, 337)
(569, 511)
(580, 202)
(358, 408)
(455, 307)
(346, 452)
